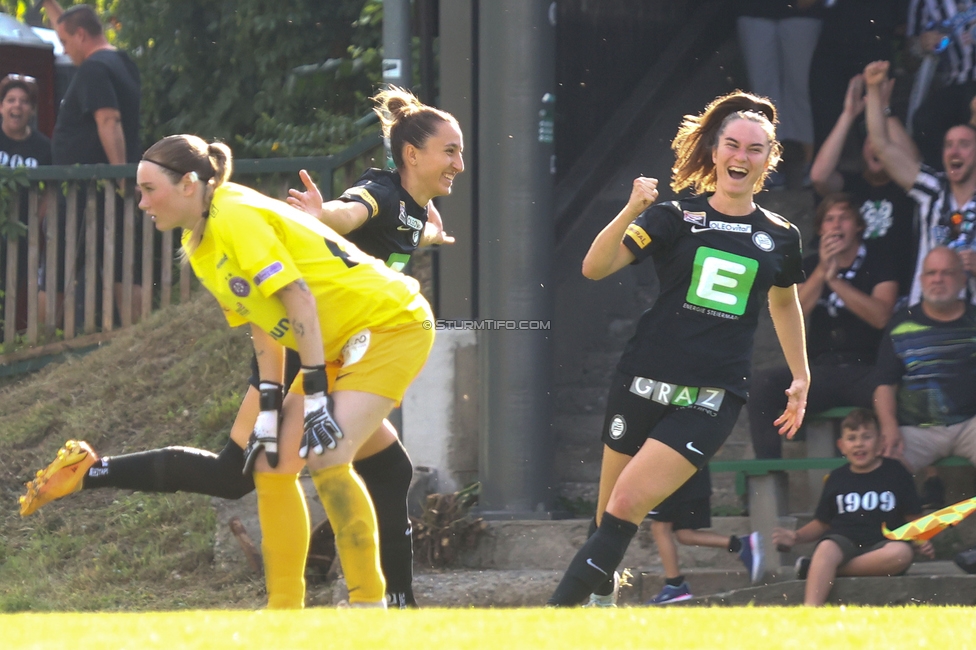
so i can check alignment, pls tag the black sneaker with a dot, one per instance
(802, 566)
(933, 493)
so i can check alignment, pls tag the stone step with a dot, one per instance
(507, 545)
(934, 583)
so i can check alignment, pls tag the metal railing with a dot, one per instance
(86, 234)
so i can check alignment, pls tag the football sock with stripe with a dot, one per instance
(353, 519)
(387, 476)
(606, 587)
(284, 538)
(595, 562)
(175, 469)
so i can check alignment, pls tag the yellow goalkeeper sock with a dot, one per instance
(284, 538)
(348, 507)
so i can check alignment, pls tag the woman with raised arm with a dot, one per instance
(684, 376)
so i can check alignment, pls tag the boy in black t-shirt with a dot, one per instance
(857, 499)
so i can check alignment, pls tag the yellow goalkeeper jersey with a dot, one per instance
(254, 245)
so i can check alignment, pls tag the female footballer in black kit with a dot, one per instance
(683, 377)
(386, 214)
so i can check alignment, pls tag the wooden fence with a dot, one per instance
(91, 213)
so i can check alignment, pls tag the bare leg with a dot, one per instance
(666, 548)
(690, 537)
(647, 480)
(613, 463)
(823, 569)
(889, 560)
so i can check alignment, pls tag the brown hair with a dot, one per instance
(859, 417)
(82, 16)
(406, 119)
(698, 136)
(181, 154)
(25, 83)
(831, 200)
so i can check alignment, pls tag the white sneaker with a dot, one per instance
(610, 600)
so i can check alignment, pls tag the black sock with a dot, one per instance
(605, 588)
(735, 544)
(175, 469)
(387, 476)
(595, 562)
(675, 582)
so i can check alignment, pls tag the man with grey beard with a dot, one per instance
(926, 370)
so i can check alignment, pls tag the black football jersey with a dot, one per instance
(396, 222)
(715, 272)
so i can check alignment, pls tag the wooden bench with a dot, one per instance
(763, 483)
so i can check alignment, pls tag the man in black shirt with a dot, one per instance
(847, 299)
(98, 121)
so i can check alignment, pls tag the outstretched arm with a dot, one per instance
(903, 166)
(341, 216)
(784, 307)
(607, 253)
(823, 172)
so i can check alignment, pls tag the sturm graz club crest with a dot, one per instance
(618, 427)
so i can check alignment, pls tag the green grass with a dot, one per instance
(176, 379)
(678, 627)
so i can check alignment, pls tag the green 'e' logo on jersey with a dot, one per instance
(722, 281)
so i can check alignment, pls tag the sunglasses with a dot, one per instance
(27, 79)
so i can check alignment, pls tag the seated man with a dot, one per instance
(926, 370)
(847, 299)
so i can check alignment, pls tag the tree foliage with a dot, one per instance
(282, 77)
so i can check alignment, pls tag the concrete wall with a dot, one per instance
(440, 412)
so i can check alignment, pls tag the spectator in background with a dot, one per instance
(21, 145)
(926, 370)
(856, 500)
(947, 103)
(777, 39)
(847, 299)
(99, 117)
(886, 209)
(946, 201)
(855, 32)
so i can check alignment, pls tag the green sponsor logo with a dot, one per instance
(722, 281)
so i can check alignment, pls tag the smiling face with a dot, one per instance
(16, 111)
(861, 447)
(741, 156)
(169, 204)
(959, 154)
(437, 163)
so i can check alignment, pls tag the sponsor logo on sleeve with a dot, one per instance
(239, 287)
(695, 217)
(639, 235)
(267, 272)
(364, 194)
